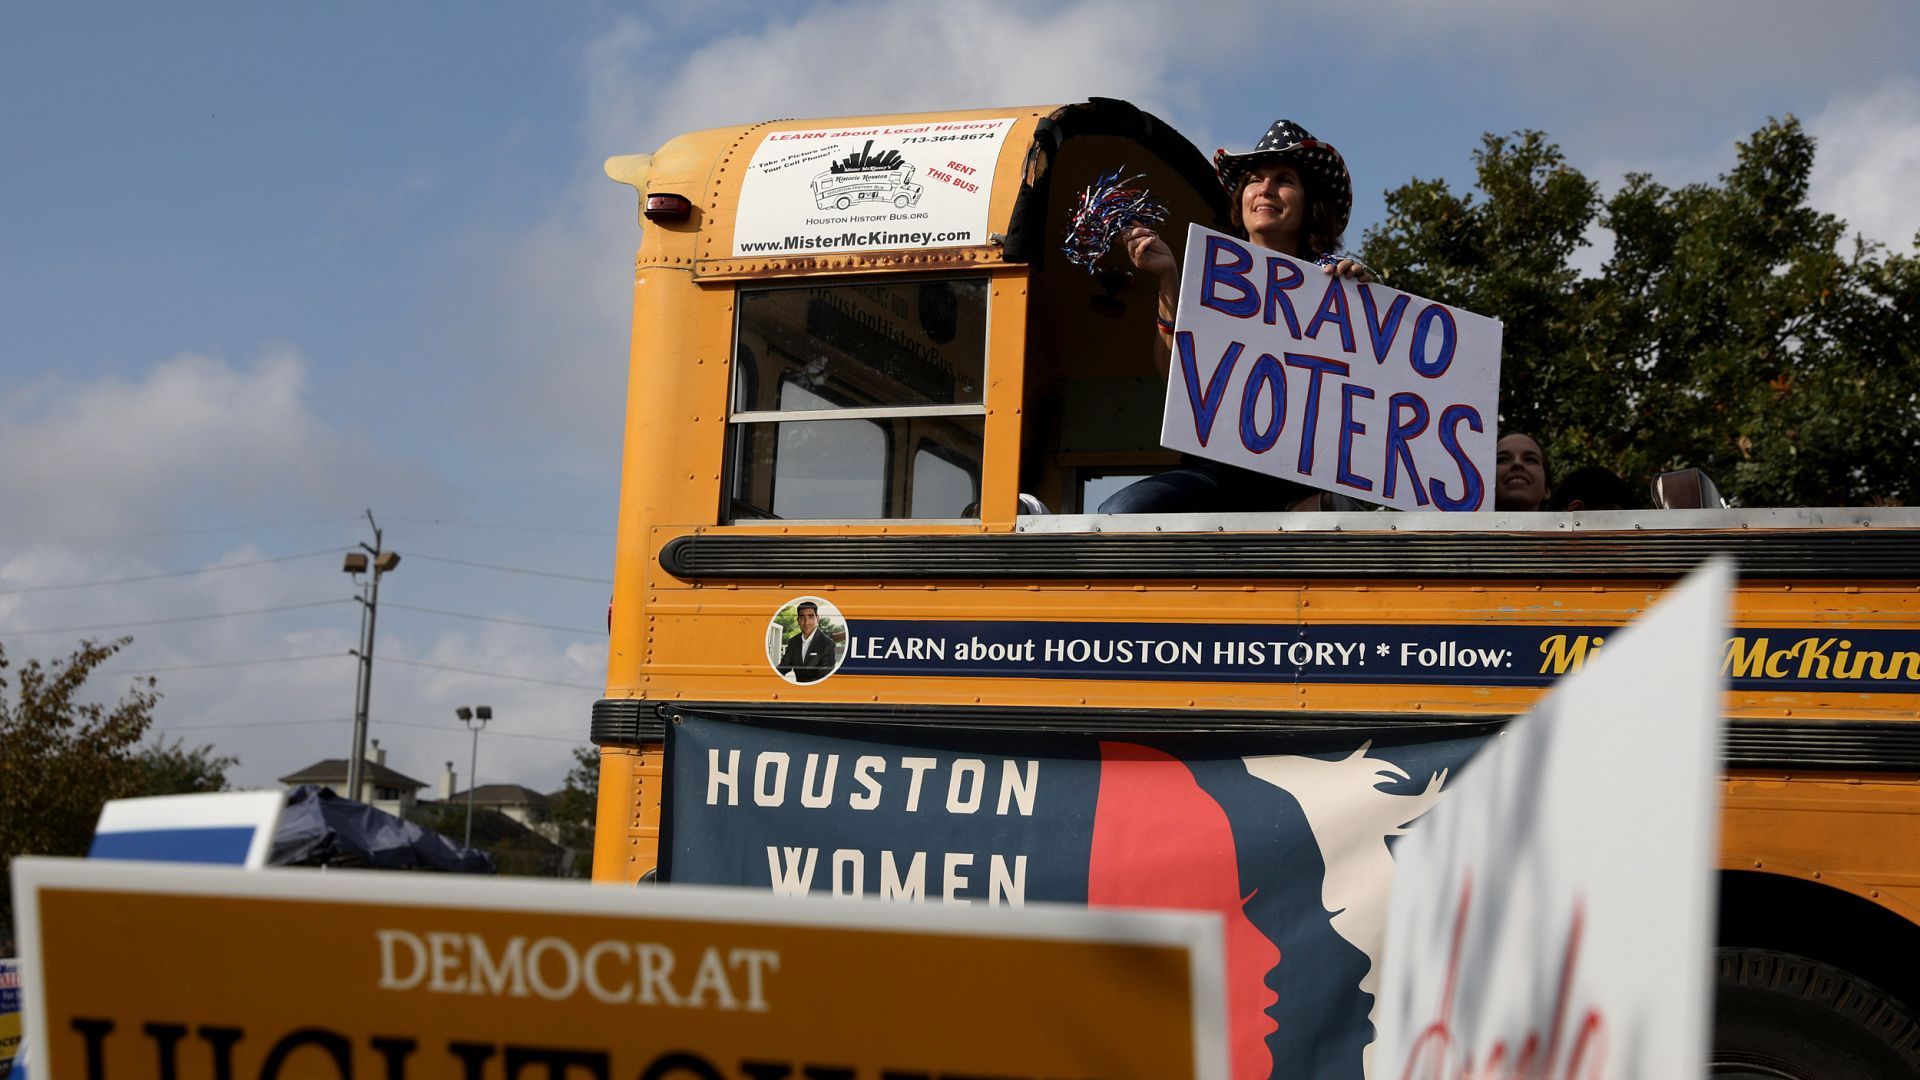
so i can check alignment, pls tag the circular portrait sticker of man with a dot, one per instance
(807, 640)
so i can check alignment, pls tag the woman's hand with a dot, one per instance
(1348, 268)
(1148, 252)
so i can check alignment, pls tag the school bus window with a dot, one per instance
(827, 468)
(1093, 488)
(858, 401)
(943, 485)
(823, 469)
(886, 344)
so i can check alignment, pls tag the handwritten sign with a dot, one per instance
(1553, 916)
(1281, 368)
(147, 969)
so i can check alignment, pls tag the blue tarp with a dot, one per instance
(319, 828)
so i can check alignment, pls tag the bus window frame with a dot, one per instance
(737, 422)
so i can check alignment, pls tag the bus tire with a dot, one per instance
(1785, 1017)
(844, 202)
(901, 201)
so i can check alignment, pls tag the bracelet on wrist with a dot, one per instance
(1165, 324)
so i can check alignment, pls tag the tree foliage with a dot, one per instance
(1734, 328)
(575, 806)
(64, 756)
(516, 850)
(173, 768)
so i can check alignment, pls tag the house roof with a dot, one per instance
(333, 771)
(502, 795)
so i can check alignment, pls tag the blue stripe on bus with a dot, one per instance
(1781, 658)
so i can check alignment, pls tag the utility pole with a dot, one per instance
(356, 564)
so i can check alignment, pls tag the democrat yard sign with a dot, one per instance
(1554, 916)
(145, 970)
(1282, 368)
(1284, 834)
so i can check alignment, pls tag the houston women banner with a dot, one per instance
(1288, 837)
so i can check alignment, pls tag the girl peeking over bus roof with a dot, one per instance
(1291, 193)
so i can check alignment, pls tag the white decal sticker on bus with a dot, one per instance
(869, 188)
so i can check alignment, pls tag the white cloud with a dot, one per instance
(565, 296)
(1868, 161)
(1710, 50)
(192, 437)
(873, 57)
(280, 716)
(193, 441)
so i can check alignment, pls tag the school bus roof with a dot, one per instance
(755, 209)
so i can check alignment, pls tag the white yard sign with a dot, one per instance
(838, 189)
(1282, 368)
(1552, 917)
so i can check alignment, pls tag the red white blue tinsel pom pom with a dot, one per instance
(1109, 204)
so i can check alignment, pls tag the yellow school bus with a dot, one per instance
(860, 582)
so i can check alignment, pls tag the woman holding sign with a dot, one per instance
(1291, 193)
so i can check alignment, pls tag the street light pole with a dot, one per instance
(356, 564)
(475, 719)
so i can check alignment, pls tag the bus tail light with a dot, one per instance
(668, 208)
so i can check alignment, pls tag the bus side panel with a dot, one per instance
(675, 429)
(1854, 833)
(626, 840)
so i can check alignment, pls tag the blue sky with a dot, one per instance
(264, 266)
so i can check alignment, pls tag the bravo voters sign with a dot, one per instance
(149, 970)
(1282, 368)
(1553, 917)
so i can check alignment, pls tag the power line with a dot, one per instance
(497, 619)
(511, 528)
(222, 663)
(329, 656)
(169, 728)
(490, 732)
(155, 533)
(448, 729)
(176, 619)
(509, 569)
(169, 574)
(489, 674)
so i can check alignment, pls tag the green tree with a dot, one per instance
(173, 768)
(575, 806)
(1734, 328)
(64, 757)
